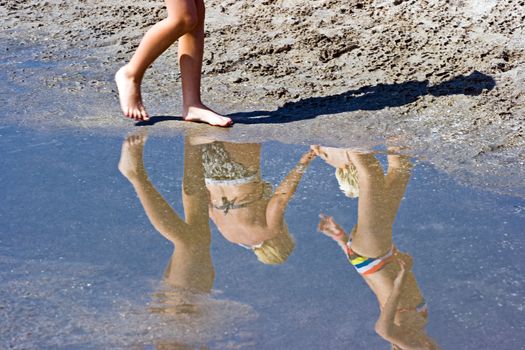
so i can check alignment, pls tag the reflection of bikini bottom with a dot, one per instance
(367, 266)
(220, 169)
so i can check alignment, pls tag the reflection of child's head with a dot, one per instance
(276, 250)
(347, 178)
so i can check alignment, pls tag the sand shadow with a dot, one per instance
(158, 119)
(368, 98)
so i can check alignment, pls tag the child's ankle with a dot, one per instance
(131, 74)
(196, 104)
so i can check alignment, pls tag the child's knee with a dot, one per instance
(184, 22)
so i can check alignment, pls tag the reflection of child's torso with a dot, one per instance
(245, 221)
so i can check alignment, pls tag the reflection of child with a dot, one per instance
(370, 249)
(244, 207)
(185, 22)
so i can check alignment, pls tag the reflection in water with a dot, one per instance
(369, 246)
(245, 208)
(221, 181)
(190, 269)
(72, 276)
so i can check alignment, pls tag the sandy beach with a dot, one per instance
(445, 80)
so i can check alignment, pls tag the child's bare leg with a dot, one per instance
(182, 18)
(191, 49)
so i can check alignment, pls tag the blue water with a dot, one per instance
(80, 262)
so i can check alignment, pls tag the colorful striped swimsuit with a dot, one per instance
(367, 266)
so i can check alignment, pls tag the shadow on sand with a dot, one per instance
(367, 98)
(158, 119)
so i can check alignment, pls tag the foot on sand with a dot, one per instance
(131, 163)
(129, 96)
(203, 114)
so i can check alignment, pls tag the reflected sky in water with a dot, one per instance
(234, 258)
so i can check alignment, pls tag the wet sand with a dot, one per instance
(445, 80)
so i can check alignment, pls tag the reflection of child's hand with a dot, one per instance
(403, 269)
(330, 228)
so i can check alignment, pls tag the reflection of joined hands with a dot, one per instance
(330, 228)
(336, 157)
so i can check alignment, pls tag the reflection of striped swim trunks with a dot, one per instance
(367, 266)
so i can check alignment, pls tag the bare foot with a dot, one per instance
(203, 114)
(131, 163)
(129, 96)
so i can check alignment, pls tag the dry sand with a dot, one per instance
(444, 78)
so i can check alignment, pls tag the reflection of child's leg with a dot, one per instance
(159, 212)
(195, 196)
(131, 163)
(182, 18)
(396, 181)
(191, 265)
(191, 49)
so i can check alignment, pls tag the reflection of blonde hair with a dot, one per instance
(348, 182)
(276, 250)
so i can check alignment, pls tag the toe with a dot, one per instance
(143, 113)
(227, 122)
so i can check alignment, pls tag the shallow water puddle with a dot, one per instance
(87, 260)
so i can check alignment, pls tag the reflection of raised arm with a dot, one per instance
(385, 325)
(410, 339)
(284, 192)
